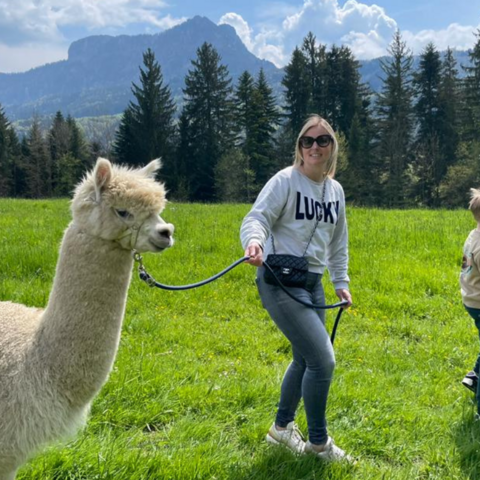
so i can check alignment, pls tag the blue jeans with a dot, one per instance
(310, 373)
(475, 314)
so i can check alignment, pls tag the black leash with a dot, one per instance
(151, 282)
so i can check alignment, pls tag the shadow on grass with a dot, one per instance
(467, 438)
(280, 464)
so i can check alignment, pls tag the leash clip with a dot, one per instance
(142, 273)
(138, 258)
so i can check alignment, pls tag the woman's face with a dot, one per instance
(316, 156)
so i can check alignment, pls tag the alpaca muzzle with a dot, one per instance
(164, 235)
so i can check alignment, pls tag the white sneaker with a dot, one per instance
(331, 452)
(291, 437)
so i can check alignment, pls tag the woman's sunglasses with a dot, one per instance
(322, 141)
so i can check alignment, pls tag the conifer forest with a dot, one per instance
(415, 143)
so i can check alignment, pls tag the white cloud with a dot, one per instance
(167, 22)
(24, 21)
(455, 36)
(34, 32)
(366, 29)
(366, 46)
(117, 13)
(272, 53)
(25, 57)
(258, 44)
(240, 26)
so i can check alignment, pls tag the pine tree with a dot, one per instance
(267, 122)
(461, 176)
(181, 188)
(426, 84)
(465, 172)
(343, 90)
(18, 168)
(77, 145)
(428, 167)
(257, 119)
(297, 93)
(125, 144)
(247, 103)
(96, 149)
(395, 122)
(38, 165)
(316, 73)
(361, 178)
(233, 178)
(246, 110)
(323, 82)
(309, 49)
(333, 105)
(147, 128)
(208, 110)
(448, 114)
(6, 157)
(69, 154)
(70, 169)
(471, 114)
(58, 139)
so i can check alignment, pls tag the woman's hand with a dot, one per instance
(255, 252)
(344, 294)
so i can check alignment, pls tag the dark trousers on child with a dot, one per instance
(475, 314)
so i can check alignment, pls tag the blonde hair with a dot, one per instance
(474, 204)
(313, 121)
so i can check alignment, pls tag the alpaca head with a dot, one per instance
(123, 205)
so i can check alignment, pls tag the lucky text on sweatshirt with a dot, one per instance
(288, 207)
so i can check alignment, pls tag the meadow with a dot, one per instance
(196, 381)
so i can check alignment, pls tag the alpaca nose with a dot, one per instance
(165, 230)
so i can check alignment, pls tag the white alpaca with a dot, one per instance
(54, 361)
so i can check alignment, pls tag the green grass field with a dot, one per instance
(196, 380)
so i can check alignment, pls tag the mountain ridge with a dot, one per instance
(96, 77)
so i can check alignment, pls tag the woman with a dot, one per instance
(301, 210)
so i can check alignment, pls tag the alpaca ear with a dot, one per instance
(102, 176)
(151, 168)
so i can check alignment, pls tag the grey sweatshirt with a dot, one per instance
(288, 207)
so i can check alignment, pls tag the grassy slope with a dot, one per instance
(196, 380)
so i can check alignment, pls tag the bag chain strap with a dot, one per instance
(314, 228)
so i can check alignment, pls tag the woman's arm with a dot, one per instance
(268, 207)
(337, 254)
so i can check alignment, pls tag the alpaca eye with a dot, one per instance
(123, 213)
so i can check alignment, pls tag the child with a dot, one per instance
(470, 286)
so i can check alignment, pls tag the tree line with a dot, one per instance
(415, 143)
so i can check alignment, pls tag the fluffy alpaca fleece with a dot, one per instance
(54, 361)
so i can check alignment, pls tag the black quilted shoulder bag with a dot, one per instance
(290, 270)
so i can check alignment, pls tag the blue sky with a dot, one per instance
(35, 32)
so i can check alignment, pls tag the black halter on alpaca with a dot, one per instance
(151, 282)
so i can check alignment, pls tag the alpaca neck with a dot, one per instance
(80, 329)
